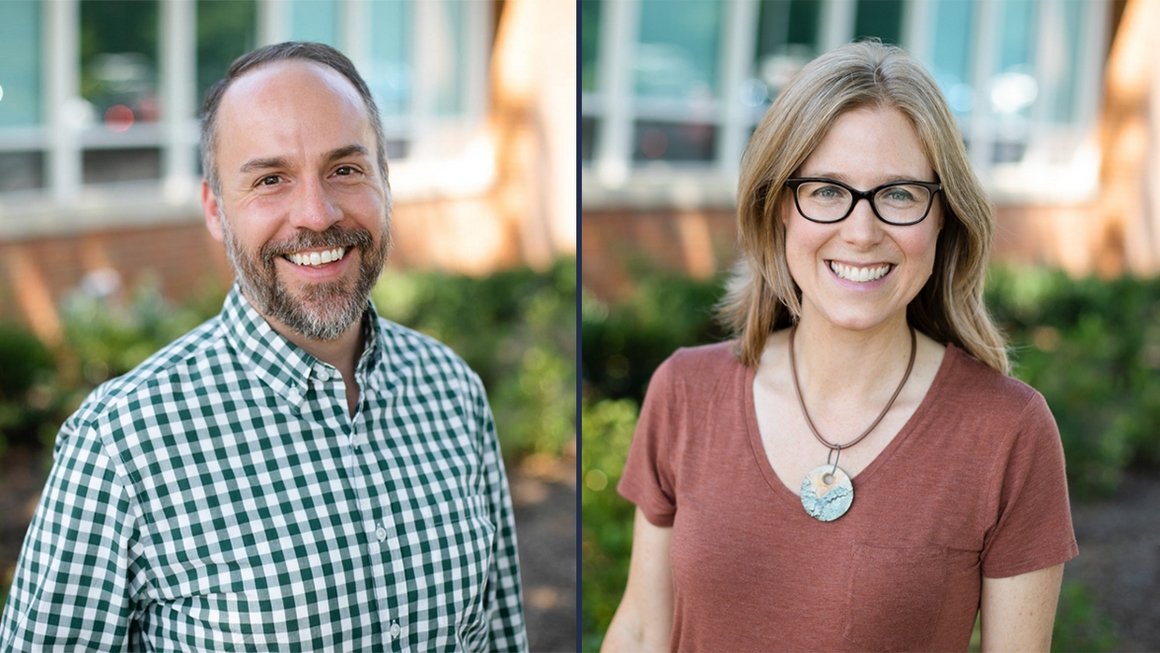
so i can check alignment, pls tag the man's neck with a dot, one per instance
(342, 352)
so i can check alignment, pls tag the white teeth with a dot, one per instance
(317, 258)
(861, 275)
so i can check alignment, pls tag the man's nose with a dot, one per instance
(315, 209)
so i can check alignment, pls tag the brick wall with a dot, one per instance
(36, 274)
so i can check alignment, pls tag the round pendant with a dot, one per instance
(827, 492)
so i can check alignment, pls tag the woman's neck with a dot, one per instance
(842, 364)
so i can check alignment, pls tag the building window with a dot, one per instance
(20, 81)
(116, 100)
(225, 30)
(680, 86)
(21, 90)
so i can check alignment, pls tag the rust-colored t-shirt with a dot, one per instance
(973, 485)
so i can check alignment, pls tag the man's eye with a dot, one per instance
(345, 171)
(269, 180)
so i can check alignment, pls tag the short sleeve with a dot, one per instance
(1033, 528)
(648, 480)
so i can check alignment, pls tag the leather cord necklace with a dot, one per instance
(827, 490)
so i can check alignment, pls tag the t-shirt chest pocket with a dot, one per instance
(895, 596)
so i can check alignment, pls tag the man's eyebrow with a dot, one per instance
(349, 150)
(268, 163)
(263, 164)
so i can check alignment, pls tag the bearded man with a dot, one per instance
(296, 473)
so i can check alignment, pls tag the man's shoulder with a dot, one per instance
(146, 382)
(406, 347)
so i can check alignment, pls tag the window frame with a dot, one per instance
(65, 203)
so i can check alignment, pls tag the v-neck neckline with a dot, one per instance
(866, 475)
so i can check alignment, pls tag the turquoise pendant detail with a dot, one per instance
(827, 492)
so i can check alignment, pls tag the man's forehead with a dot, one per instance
(288, 80)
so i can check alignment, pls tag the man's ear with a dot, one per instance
(211, 211)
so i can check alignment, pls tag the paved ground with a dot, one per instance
(1119, 559)
(544, 494)
(543, 491)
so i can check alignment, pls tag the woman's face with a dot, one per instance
(861, 273)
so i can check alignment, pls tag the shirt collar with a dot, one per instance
(281, 365)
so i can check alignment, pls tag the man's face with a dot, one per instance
(304, 209)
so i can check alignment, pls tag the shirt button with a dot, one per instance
(395, 630)
(381, 533)
(321, 372)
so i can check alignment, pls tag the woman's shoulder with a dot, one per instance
(697, 367)
(975, 386)
(703, 360)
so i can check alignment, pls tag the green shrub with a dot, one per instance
(105, 339)
(516, 329)
(607, 517)
(1092, 348)
(625, 342)
(1079, 624)
(25, 376)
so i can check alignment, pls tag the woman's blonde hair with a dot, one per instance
(762, 296)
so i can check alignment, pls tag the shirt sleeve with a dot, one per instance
(1033, 529)
(72, 587)
(648, 478)
(503, 593)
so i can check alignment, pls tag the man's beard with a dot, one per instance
(321, 311)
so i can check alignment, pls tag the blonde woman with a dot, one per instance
(856, 470)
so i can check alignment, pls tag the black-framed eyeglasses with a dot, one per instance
(899, 203)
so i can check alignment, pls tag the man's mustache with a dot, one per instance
(332, 237)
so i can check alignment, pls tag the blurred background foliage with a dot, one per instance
(516, 328)
(1092, 347)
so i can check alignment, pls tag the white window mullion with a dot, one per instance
(178, 75)
(613, 147)
(1093, 49)
(60, 49)
(918, 28)
(423, 73)
(740, 42)
(354, 26)
(837, 23)
(985, 46)
(478, 47)
(273, 21)
(1049, 56)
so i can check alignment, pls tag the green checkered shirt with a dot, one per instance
(219, 497)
